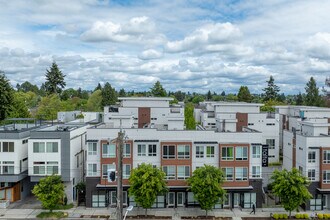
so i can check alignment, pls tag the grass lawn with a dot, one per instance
(63, 207)
(52, 215)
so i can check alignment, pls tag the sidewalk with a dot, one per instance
(175, 213)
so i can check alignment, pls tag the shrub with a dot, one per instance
(276, 216)
(320, 216)
(297, 216)
(306, 216)
(285, 216)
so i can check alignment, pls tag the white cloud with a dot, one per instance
(318, 45)
(150, 54)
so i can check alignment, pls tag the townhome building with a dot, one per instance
(233, 116)
(14, 180)
(59, 150)
(176, 151)
(306, 146)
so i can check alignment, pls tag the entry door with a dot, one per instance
(113, 198)
(8, 194)
(170, 199)
(237, 199)
(180, 198)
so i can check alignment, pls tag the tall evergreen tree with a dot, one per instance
(209, 95)
(157, 90)
(54, 80)
(312, 97)
(6, 96)
(122, 93)
(244, 94)
(272, 90)
(98, 87)
(299, 99)
(109, 95)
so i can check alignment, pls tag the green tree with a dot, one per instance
(244, 94)
(299, 99)
(197, 99)
(146, 183)
(54, 80)
(291, 187)
(19, 107)
(49, 191)
(98, 87)
(189, 119)
(157, 90)
(49, 106)
(28, 87)
(69, 93)
(209, 96)
(109, 95)
(94, 103)
(206, 184)
(269, 106)
(122, 93)
(312, 97)
(272, 90)
(180, 96)
(6, 96)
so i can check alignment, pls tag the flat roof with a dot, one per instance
(147, 98)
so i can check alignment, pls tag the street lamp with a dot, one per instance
(129, 208)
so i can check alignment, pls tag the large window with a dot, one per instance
(183, 151)
(256, 171)
(209, 151)
(92, 169)
(326, 176)
(127, 150)
(241, 173)
(105, 168)
(39, 168)
(39, 147)
(271, 143)
(8, 146)
(183, 172)
(241, 153)
(152, 150)
(126, 171)
(227, 153)
(256, 151)
(108, 150)
(92, 148)
(51, 147)
(168, 152)
(228, 173)
(142, 150)
(311, 174)
(326, 156)
(311, 157)
(8, 167)
(169, 172)
(52, 168)
(199, 151)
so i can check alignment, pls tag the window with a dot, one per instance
(256, 151)
(241, 173)
(311, 157)
(199, 151)
(52, 147)
(270, 143)
(270, 124)
(227, 153)
(311, 174)
(8, 147)
(92, 169)
(209, 151)
(38, 147)
(39, 168)
(326, 156)
(168, 152)
(8, 167)
(183, 172)
(228, 173)
(152, 150)
(241, 153)
(142, 150)
(127, 150)
(170, 172)
(108, 150)
(256, 171)
(25, 141)
(105, 168)
(326, 176)
(126, 171)
(92, 148)
(184, 151)
(52, 168)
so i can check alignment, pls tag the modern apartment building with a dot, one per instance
(154, 134)
(14, 180)
(306, 146)
(233, 116)
(58, 149)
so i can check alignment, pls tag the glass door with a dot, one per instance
(237, 199)
(170, 199)
(180, 198)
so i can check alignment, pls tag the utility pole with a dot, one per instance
(120, 174)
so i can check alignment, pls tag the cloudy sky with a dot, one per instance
(195, 46)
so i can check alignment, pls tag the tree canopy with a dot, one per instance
(54, 80)
(157, 90)
(146, 183)
(50, 191)
(291, 187)
(6, 96)
(189, 119)
(206, 184)
(312, 97)
(244, 94)
(272, 90)
(109, 95)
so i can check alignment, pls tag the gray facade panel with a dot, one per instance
(91, 183)
(257, 188)
(12, 178)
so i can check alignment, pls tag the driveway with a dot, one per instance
(29, 202)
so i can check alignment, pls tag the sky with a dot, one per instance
(196, 45)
